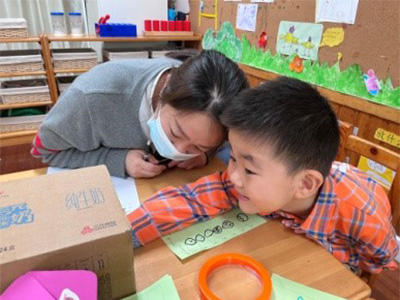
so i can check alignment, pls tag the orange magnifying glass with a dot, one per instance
(236, 259)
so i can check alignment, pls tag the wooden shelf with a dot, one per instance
(22, 74)
(20, 40)
(26, 104)
(17, 138)
(170, 34)
(71, 71)
(94, 38)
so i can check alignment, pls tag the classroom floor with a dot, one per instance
(18, 158)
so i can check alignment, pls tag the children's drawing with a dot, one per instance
(372, 82)
(262, 42)
(308, 46)
(296, 65)
(246, 18)
(300, 38)
(289, 39)
(336, 11)
(347, 81)
(332, 37)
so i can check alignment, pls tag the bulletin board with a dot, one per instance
(373, 42)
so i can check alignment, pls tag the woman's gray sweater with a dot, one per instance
(96, 120)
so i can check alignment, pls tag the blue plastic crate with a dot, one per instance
(117, 30)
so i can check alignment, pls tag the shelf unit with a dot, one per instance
(23, 105)
(22, 137)
(22, 74)
(188, 41)
(17, 138)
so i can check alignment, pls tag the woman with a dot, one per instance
(115, 113)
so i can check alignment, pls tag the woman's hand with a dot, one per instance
(196, 162)
(137, 167)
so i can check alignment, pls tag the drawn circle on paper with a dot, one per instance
(190, 242)
(227, 224)
(242, 217)
(217, 229)
(208, 232)
(199, 238)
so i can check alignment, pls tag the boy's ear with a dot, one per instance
(309, 181)
(167, 80)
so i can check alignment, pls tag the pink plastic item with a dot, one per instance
(50, 285)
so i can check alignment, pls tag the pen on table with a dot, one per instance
(145, 156)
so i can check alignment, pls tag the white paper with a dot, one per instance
(182, 6)
(125, 188)
(246, 18)
(336, 11)
(264, 1)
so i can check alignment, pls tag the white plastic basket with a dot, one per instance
(20, 61)
(117, 54)
(13, 124)
(159, 53)
(24, 91)
(68, 59)
(13, 28)
(64, 82)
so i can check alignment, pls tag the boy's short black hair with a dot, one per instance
(293, 117)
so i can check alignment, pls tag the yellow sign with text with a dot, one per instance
(379, 173)
(332, 37)
(387, 137)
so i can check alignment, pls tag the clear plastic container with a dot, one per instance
(58, 23)
(76, 23)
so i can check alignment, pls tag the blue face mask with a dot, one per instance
(162, 143)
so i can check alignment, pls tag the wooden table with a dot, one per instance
(279, 249)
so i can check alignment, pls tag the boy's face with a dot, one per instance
(259, 177)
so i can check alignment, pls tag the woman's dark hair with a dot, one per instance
(292, 117)
(205, 82)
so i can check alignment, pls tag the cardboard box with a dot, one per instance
(71, 220)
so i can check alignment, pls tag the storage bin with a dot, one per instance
(157, 53)
(64, 82)
(76, 23)
(117, 30)
(58, 23)
(21, 61)
(13, 28)
(78, 58)
(12, 124)
(116, 54)
(24, 91)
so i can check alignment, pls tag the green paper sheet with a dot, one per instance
(211, 233)
(285, 289)
(163, 289)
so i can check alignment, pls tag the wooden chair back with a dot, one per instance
(352, 147)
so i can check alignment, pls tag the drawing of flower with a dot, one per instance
(296, 65)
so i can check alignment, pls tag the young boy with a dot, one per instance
(284, 138)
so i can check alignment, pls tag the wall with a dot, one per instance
(372, 42)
